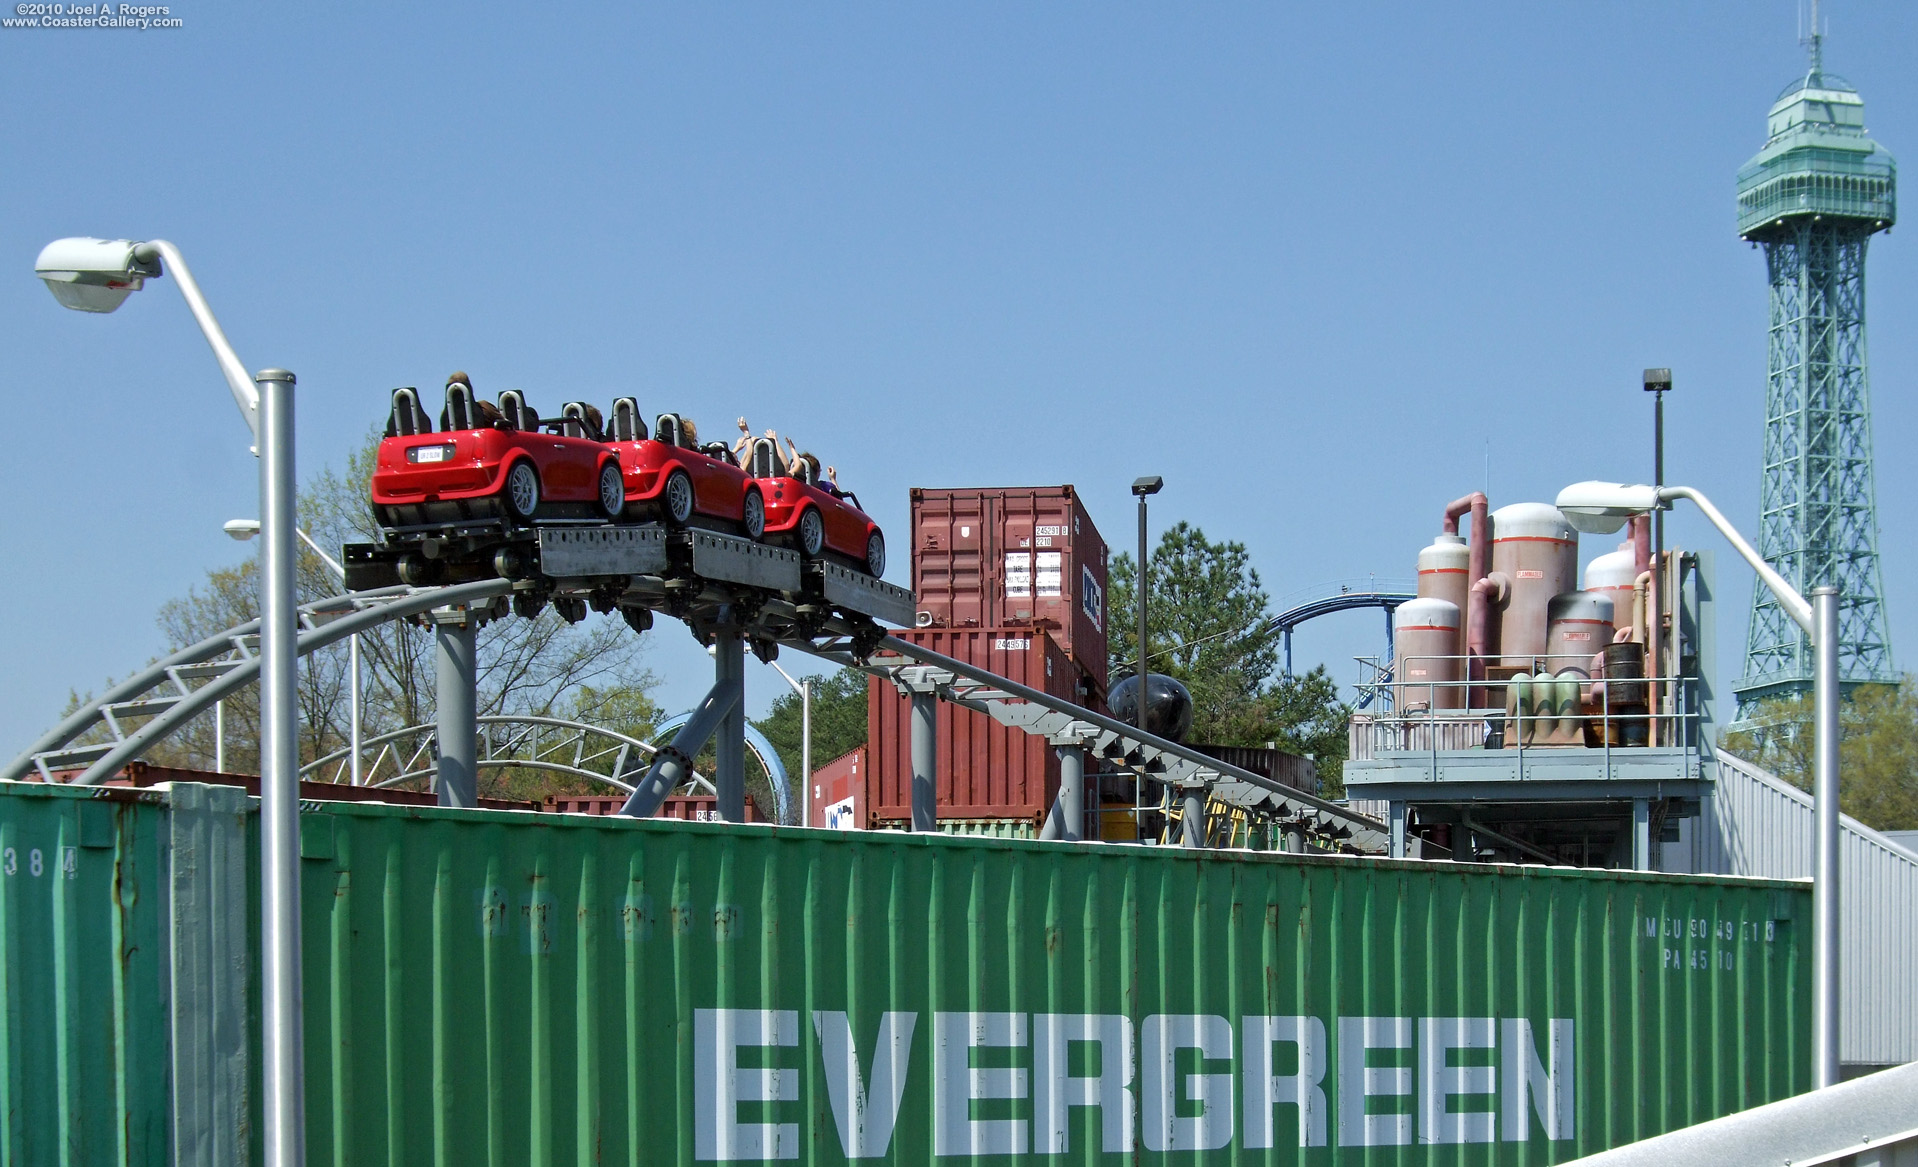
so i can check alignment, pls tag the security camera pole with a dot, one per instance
(1603, 507)
(96, 275)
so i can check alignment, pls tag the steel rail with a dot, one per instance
(1365, 831)
(245, 672)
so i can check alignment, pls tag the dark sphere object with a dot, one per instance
(1168, 705)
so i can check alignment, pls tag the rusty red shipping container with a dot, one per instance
(839, 792)
(702, 808)
(1010, 557)
(986, 770)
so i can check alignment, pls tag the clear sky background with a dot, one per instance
(1323, 267)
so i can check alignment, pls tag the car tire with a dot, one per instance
(612, 490)
(875, 555)
(753, 516)
(812, 533)
(676, 501)
(521, 491)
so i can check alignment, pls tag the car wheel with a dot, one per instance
(522, 490)
(678, 497)
(754, 517)
(875, 555)
(812, 533)
(612, 490)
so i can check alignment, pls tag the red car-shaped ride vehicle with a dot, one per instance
(491, 468)
(817, 519)
(669, 478)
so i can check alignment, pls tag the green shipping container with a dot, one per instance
(509, 988)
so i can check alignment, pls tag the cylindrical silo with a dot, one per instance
(1445, 574)
(1612, 575)
(1577, 625)
(1537, 552)
(1425, 655)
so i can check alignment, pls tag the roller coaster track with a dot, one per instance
(711, 582)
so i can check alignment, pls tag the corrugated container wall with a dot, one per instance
(501, 987)
(839, 793)
(1009, 557)
(1755, 823)
(985, 770)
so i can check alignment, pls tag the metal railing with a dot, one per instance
(1528, 716)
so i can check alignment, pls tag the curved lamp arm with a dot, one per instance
(245, 394)
(1794, 604)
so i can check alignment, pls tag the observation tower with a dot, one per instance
(1812, 199)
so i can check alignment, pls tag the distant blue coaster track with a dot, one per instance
(1351, 594)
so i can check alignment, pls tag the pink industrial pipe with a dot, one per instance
(1478, 613)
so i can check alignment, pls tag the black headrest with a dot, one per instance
(515, 411)
(626, 424)
(408, 417)
(580, 420)
(762, 459)
(459, 413)
(668, 429)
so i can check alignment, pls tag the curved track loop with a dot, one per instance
(226, 663)
(507, 742)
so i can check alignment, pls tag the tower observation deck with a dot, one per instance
(1812, 198)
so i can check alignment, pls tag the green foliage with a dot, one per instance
(838, 722)
(1877, 750)
(1209, 625)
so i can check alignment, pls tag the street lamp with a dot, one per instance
(96, 275)
(243, 530)
(1603, 507)
(804, 689)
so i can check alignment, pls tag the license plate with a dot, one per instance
(430, 453)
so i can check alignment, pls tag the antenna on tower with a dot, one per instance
(1816, 41)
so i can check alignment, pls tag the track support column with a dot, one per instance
(729, 748)
(925, 754)
(1067, 819)
(1641, 834)
(1395, 811)
(1192, 833)
(455, 706)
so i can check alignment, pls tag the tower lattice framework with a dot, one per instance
(1812, 199)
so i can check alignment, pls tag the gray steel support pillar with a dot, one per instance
(455, 707)
(1066, 820)
(1193, 819)
(1395, 812)
(673, 763)
(282, 1042)
(1641, 834)
(1825, 908)
(729, 763)
(1292, 840)
(925, 753)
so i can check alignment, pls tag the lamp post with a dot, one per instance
(1143, 488)
(244, 529)
(1658, 382)
(804, 689)
(96, 275)
(1603, 507)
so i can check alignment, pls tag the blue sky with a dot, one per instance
(1302, 261)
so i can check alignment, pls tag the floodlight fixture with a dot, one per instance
(97, 275)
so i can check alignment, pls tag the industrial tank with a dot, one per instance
(1613, 575)
(1425, 655)
(1577, 625)
(1537, 552)
(1444, 574)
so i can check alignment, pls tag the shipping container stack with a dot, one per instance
(1013, 580)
